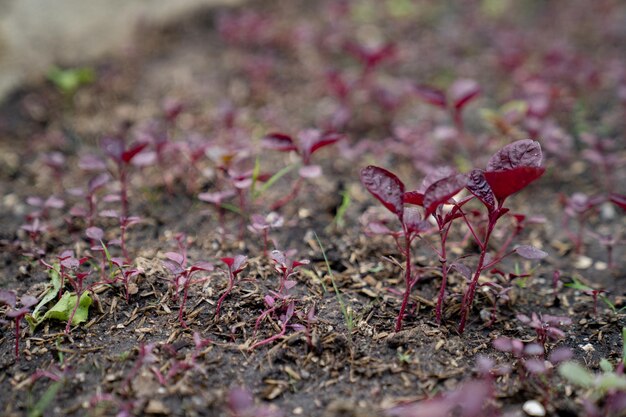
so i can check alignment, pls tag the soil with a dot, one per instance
(346, 360)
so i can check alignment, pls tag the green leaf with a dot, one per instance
(44, 402)
(55, 280)
(606, 366)
(576, 374)
(62, 310)
(611, 381)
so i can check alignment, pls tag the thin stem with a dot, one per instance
(231, 283)
(468, 298)
(444, 274)
(295, 190)
(17, 337)
(407, 278)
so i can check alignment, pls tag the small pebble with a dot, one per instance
(583, 262)
(588, 348)
(600, 266)
(534, 408)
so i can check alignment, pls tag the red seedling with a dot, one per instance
(17, 314)
(263, 224)
(309, 141)
(389, 190)
(235, 266)
(122, 155)
(458, 95)
(177, 264)
(508, 171)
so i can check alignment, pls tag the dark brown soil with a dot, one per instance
(338, 367)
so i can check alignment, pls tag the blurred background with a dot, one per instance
(35, 34)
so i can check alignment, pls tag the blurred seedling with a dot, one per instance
(9, 298)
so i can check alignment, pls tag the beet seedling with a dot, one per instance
(177, 264)
(389, 190)
(309, 141)
(122, 155)
(263, 224)
(454, 100)
(546, 326)
(508, 171)
(17, 314)
(235, 266)
(280, 300)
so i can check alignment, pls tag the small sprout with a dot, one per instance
(17, 314)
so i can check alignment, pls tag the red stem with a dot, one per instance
(407, 279)
(468, 298)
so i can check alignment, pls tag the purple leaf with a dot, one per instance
(478, 185)
(533, 349)
(435, 175)
(523, 153)
(560, 354)
(441, 191)
(98, 182)
(279, 257)
(113, 147)
(413, 220)
(535, 366)
(506, 183)
(462, 92)
(176, 257)
(94, 233)
(8, 297)
(132, 151)
(310, 171)
(202, 266)
(503, 344)
(325, 140)
(386, 187)
(530, 252)
(28, 301)
(413, 197)
(431, 95)
(279, 142)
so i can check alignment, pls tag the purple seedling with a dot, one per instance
(281, 300)
(309, 141)
(454, 100)
(285, 266)
(546, 326)
(389, 190)
(508, 171)
(235, 266)
(122, 155)
(263, 224)
(125, 223)
(17, 314)
(177, 264)
(241, 404)
(438, 192)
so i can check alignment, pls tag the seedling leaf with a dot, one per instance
(62, 310)
(576, 374)
(386, 187)
(523, 153)
(478, 185)
(441, 191)
(506, 183)
(279, 142)
(462, 92)
(530, 252)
